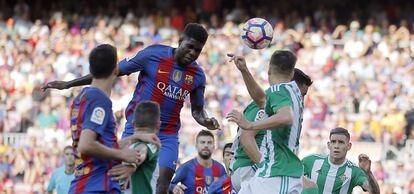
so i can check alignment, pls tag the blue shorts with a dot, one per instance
(168, 156)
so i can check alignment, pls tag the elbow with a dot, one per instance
(84, 148)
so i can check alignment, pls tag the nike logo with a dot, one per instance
(162, 72)
(225, 188)
(199, 178)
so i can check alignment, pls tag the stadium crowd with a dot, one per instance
(361, 63)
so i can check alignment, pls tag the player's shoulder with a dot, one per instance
(279, 89)
(158, 47)
(315, 157)
(215, 162)
(92, 94)
(352, 165)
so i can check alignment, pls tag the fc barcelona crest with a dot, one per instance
(177, 75)
(189, 79)
(209, 180)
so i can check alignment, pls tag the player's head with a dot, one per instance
(282, 64)
(303, 81)
(339, 143)
(147, 116)
(205, 144)
(103, 62)
(191, 43)
(227, 154)
(68, 156)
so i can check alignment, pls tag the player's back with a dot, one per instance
(92, 109)
(145, 177)
(162, 80)
(282, 143)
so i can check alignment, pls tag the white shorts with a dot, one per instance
(241, 176)
(273, 185)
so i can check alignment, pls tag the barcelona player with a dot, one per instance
(198, 174)
(93, 126)
(167, 76)
(224, 184)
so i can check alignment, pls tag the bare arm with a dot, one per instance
(255, 91)
(283, 117)
(371, 184)
(247, 139)
(200, 115)
(89, 146)
(146, 137)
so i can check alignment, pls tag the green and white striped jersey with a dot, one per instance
(331, 178)
(144, 179)
(282, 144)
(252, 113)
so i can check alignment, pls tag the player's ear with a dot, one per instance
(349, 146)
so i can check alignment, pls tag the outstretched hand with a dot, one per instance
(60, 85)
(239, 61)
(364, 163)
(238, 118)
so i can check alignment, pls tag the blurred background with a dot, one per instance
(359, 54)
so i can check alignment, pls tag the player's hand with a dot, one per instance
(212, 124)
(179, 189)
(148, 137)
(130, 155)
(239, 61)
(121, 172)
(364, 163)
(238, 118)
(60, 85)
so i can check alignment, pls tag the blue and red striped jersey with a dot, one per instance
(221, 186)
(92, 109)
(162, 80)
(197, 178)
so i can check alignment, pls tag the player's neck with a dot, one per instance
(336, 161)
(205, 163)
(144, 130)
(103, 84)
(274, 80)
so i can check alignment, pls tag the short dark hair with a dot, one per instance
(227, 145)
(146, 114)
(196, 31)
(102, 61)
(204, 133)
(301, 78)
(67, 148)
(283, 61)
(339, 131)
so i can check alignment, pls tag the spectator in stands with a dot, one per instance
(63, 176)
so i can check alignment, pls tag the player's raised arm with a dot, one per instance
(255, 91)
(370, 185)
(127, 66)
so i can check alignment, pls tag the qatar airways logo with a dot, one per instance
(174, 92)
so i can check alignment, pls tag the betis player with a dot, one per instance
(167, 76)
(248, 143)
(224, 184)
(334, 173)
(280, 170)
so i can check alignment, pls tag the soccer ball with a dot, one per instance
(257, 33)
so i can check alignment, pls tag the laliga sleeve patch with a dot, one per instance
(98, 115)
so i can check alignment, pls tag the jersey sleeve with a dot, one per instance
(179, 176)
(96, 116)
(360, 177)
(307, 166)
(135, 62)
(52, 183)
(197, 95)
(277, 100)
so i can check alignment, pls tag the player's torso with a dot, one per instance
(200, 178)
(167, 83)
(85, 166)
(331, 178)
